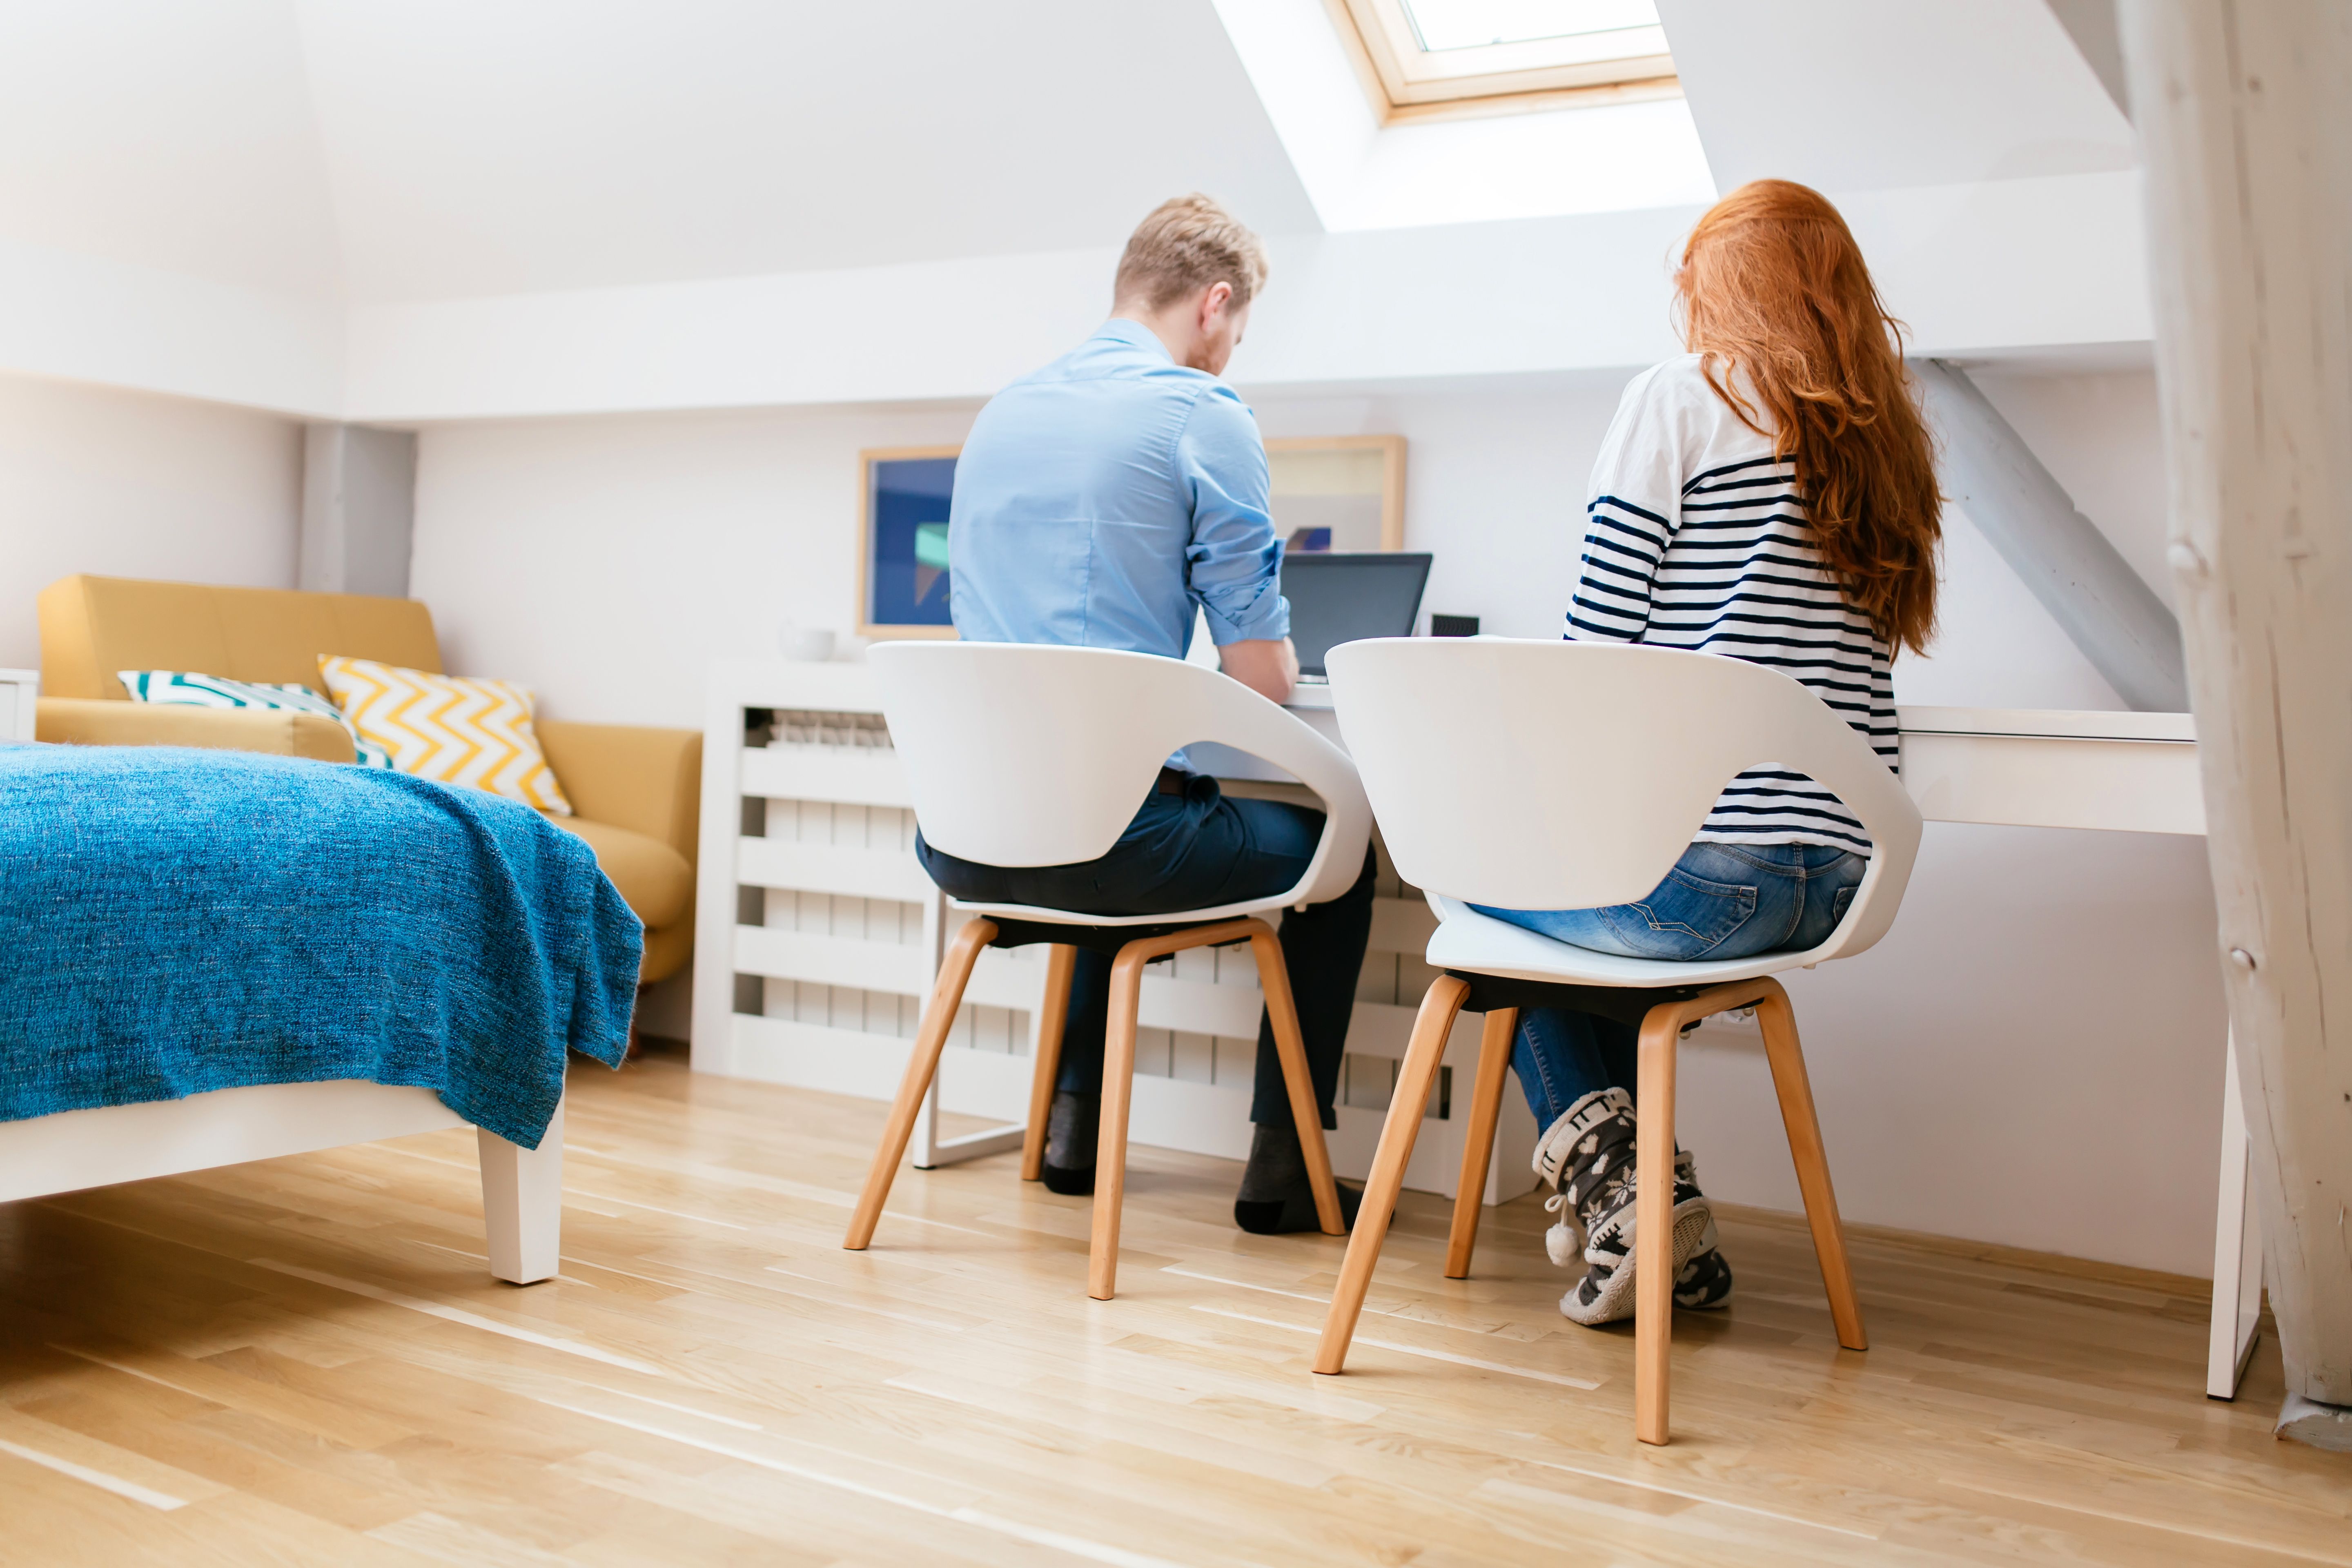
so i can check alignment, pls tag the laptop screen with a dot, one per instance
(1337, 598)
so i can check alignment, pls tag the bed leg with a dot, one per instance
(523, 1202)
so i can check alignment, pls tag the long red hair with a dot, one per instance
(1772, 282)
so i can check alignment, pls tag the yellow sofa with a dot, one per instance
(638, 791)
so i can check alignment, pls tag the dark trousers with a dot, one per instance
(1195, 850)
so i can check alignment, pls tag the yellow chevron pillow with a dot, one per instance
(451, 728)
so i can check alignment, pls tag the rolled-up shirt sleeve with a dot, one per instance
(1234, 563)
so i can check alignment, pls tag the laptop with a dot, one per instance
(1346, 597)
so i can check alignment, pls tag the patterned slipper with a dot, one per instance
(1705, 1283)
(1589, 1152)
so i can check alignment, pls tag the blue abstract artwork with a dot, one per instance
(906, 569)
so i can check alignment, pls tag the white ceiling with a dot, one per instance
(502, 146)
(272, 201)
(370, 151)
(165, 134)
(1867, 95)
(367, 151)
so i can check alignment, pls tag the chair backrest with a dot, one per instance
(1022, 756)
(1565, 775)
(93, 626)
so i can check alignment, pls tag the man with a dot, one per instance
(1101, 502)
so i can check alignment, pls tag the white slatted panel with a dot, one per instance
(895, 967)
(837, 963)
(853, 775)
(853, 870)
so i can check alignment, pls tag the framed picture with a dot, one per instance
(1339, 493)
(902, 579)
(1336, 493)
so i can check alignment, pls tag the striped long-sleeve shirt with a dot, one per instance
(1696, 538)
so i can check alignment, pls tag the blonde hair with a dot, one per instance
(1189, 242)
(1773, 283)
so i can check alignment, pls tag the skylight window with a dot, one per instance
(1471, 24)
(1481, 56)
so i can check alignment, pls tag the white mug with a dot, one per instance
(808, 645)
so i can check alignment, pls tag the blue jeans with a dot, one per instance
(1720, 902)
(1195, 851)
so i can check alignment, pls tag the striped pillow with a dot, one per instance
(451, 728)
(191, 690)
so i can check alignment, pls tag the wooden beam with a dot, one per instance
(2104, 607)
(2246, 127)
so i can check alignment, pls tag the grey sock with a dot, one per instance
(1073, 1130)
(1277, 1166)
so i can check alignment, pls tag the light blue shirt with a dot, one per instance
(1099, 500)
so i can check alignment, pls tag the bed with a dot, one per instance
(209, 957)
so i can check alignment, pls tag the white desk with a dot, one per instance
(2035, 767)
(2125, 772)
(1311, 702)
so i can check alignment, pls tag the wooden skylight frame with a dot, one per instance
(1409, 83)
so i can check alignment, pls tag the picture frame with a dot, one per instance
(902, 576)
(1351, 485)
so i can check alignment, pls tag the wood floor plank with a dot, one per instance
(307, 1360)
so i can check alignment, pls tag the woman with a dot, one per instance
(1769, 496)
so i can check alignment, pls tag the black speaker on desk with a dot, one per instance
(1453, 626)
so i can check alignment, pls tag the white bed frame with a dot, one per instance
(523, 1189)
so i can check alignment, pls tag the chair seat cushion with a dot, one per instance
(653, 879)
(1467, 940)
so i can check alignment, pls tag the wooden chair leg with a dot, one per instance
(1282, 1012)
(1118, 1090)
(1053, 1013)
(1653, 1210)
(1422, 1057)
(938, 1016)
(1777, 1021)
(1478, 1139)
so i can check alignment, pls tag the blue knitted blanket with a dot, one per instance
(173, 921)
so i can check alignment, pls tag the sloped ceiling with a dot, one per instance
(330, 206)
(490, 148)
(367, 152)
(438, 149)
(167, 135)
(1865, 95)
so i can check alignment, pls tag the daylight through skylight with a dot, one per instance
(1432, 57)
(1441, 24)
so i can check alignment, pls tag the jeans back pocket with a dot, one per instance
(1684, 917)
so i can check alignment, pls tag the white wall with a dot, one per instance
(605, 562)
(134, 485)
(2032, 1057)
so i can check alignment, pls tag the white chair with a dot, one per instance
(1560, 775)
(1020, 755)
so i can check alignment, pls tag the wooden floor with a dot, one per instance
(305, 1361)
